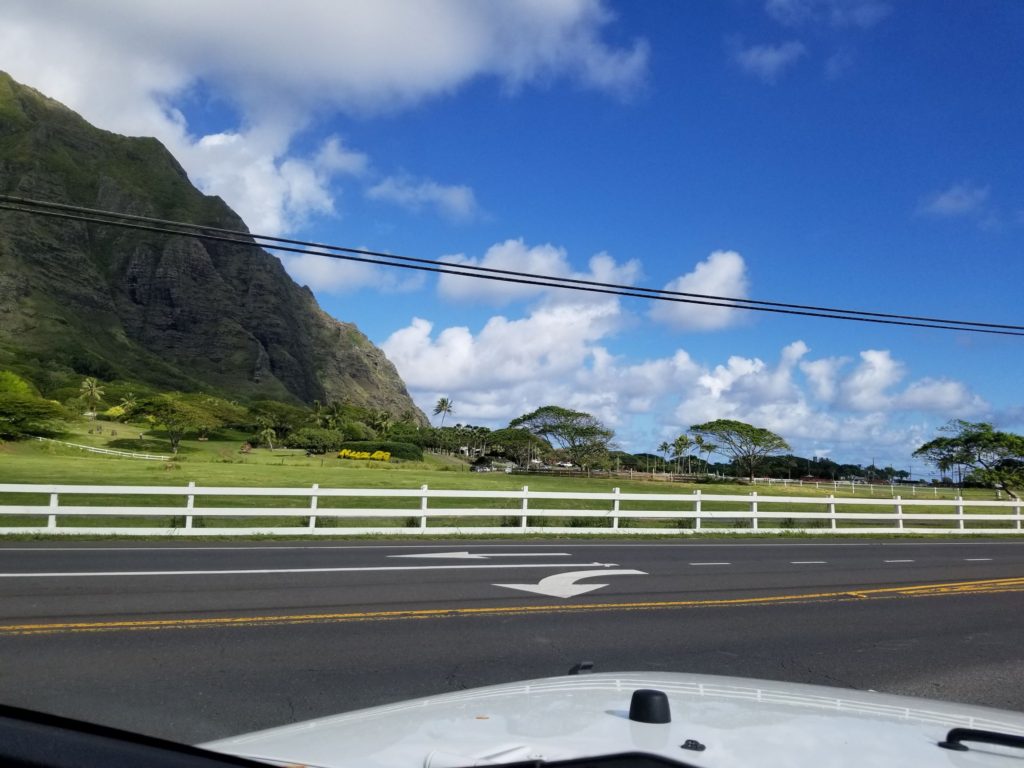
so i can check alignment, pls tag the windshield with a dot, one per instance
(352, 353)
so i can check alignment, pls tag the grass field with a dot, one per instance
(219, 462)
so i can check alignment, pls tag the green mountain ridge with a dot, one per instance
(171, 312)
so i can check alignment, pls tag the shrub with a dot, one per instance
(315, 440)
(114, 413)
(405, 451)
(356, 430)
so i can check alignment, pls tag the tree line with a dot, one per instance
(975, 453)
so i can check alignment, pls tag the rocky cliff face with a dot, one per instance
(171, 311)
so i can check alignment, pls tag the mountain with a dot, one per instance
(172, 312)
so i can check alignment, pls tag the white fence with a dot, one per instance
(108, 451)
(686, 513)
(913, 490)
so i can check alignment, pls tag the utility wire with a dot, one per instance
(238, 237)
(476, 268)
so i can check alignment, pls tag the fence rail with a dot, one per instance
(914, 490)
(686, 513)
(108, 451)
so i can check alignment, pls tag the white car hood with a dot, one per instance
(740, 721)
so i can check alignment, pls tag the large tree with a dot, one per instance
(995, 458)
(281, 417)
(520, 445)
(582, 436)
(23, 412)
(744, 443)
(178, 414)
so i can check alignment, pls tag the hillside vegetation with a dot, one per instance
(164, 312)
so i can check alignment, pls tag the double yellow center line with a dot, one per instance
(988, 586)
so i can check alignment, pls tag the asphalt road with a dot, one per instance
(195, 642)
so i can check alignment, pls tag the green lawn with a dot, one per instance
(219, 462)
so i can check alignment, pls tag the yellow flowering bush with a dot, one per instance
(346, 453)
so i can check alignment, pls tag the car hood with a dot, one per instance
(739, 721)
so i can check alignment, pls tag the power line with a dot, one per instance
(493, 270)
(344, 253)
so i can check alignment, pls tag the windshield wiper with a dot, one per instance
(956, 737)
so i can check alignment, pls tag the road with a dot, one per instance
(199, 641)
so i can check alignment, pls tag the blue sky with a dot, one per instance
(851, 153)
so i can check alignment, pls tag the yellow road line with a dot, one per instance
(988, 586)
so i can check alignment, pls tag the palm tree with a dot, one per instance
(381, 423)
(681, 447)
(318, 415)
(92, 393)
(699, 443)
(444, 407)
(336, 415)
(664, 449)
(706, 447)
(128, 403)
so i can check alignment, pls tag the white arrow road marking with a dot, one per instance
(303, 570)
(484, 556)
(564, 584)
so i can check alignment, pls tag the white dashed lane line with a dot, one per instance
(710, 563)
(808, 562)
(977, 559)
(897, 561)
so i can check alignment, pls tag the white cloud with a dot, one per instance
(823, 375)
(769, 62)
(723, 273)
(453, 201)
(128, 67)
(867, 387)
(547, 260)
(559, 354)
(837, 13)
(861, 412)
(943, 396)
(272, 192)
(337, 158)
(509, 366)
(964, 199)
(326, 275)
